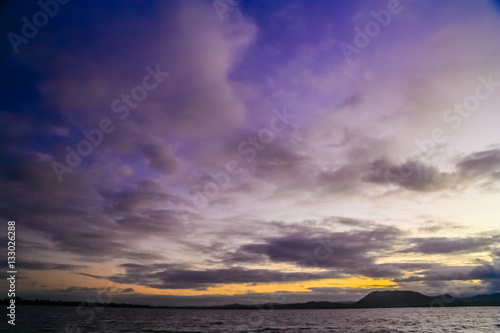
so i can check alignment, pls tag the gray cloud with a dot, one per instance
(480, 163)
(136, 200)
(165, 276)
(351, 252)
(435, 226)
(93, 276)
(45, 266)
(412, 175)
(120, 203)
(161, 157)
(486, 271)
(437, 245)
(481, 168)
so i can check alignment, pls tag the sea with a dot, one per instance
(79, 320)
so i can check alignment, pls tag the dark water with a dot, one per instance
(69, 319)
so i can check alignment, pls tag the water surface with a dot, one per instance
(70, 319)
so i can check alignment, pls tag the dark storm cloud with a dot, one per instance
(480, 163)
(316, 294)
(442, 245)
(486, 271)
(119, 203)
(435, 226)
(134, 200)
(341, 180)
(280, 155)
(348, 178)
(93, 276)
(390, 270)
(126, 290)
(443, 273)
(80, 290)
(45, 266)
(282, 164)
(176, 277)
(107, 201)
(412, 175)
(98, 245)
(161, 158)
(154, 222)
(415, 175)
(349, 251)
(83, 216)
(196, 101)
(312, 236)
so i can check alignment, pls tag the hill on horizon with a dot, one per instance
(394, 298)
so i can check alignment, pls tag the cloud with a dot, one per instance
(127, 290)
(166, 276)
(225, 78)
(435, 226)
(341, 180)
(482, 164)
(84, 290)
(143, 197)
(88, 215)
(437, 245)
(93, 276)
(488, 272)
(45, 266)
(411, 175)
(161, 158)
(415, 175)
(350, 252)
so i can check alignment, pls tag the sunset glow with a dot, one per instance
(180, 153)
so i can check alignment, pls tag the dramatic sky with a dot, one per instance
(181, 152)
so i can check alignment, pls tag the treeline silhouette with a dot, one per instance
(376, 299)
(24, 301)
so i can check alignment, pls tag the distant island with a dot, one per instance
(376, 299)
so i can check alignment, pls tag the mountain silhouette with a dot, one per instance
(395, 298)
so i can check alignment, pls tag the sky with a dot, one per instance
(199, 152)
